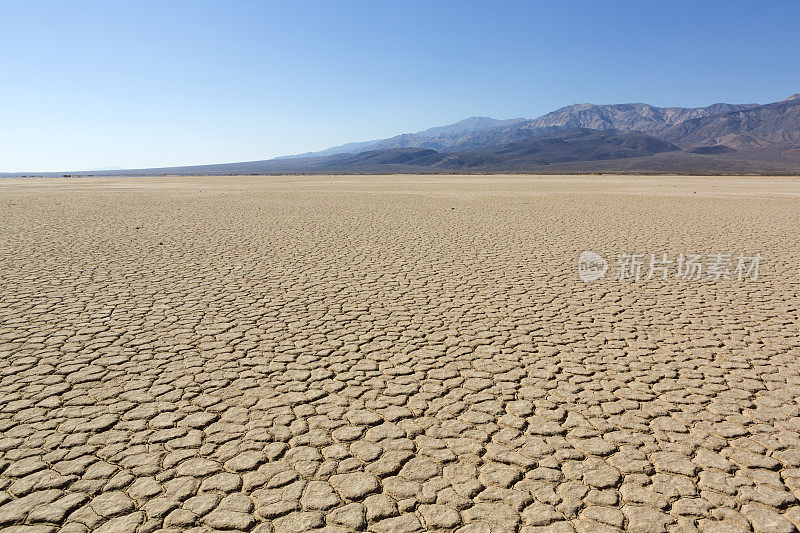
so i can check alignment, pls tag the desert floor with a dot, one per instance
(396, 353)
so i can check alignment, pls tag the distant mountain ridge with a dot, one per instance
(629, 117)
(686, 127)
(575, 144)
(717, 139)
(457, 135)
(777, 124)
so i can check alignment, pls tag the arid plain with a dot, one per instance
(397, 353)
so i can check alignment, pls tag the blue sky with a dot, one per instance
(140, 84)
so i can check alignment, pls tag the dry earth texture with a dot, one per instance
(395, 354)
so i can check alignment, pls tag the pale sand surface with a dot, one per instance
(395, 353)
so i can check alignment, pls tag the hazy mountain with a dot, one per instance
(570, 145)
(776, 124)
(471, 125)
(720, 138)
(770, 127)
(578, 144)
(750, 125)
(452, 137)
(628, 117)
(575, 144)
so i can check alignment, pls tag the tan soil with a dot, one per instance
(395, 353)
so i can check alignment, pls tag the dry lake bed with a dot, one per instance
(400, 353)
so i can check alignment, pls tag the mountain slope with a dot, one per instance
(777, 123)
(477, 132)
(628, 117)
(577, 144)
(452, 136)
(626, 137)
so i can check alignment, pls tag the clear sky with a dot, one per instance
(86, 85)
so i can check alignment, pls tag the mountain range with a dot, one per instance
(716, 139)
(477, 132)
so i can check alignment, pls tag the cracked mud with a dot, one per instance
(394, 354)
